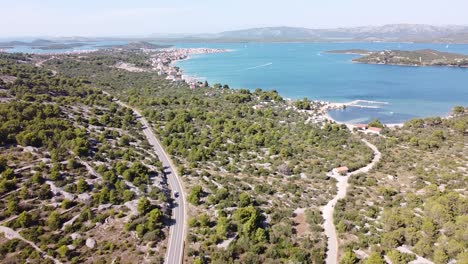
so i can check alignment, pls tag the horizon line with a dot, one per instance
(183, 35)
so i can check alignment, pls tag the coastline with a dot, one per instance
(356, 103)
(70, 52)
(194, 81)
(175, 73)
(410, 65)
(164, 62)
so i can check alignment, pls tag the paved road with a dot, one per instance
(327, 210)
(174, 254)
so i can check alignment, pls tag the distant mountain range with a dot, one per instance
(393, 32)
(35, 43)
(387, 33)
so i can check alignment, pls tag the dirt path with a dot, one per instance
(40, 63)
(327, 210)
(12, 234)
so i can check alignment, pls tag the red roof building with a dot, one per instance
(341, 170)
(374, 130)
(361, 126)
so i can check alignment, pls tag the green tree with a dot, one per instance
(374, 258)
(8, 174)
(6, 186)
(24, 219)
(140, 230)
(104, 195)
(440, 256)
(128, 195)
(72, 164)
(423, 247)
(66, 204)
(3, 163)
(222, 227)
(376, 123)
(199, 260)
(55, 174)
(349, 257)
(143, 205)
(114, 197)
(63, 251)
(341, 227)
(54, 221)
(82, 186)
(81, 147)
(24, 192)
(204, 220)
(244, 200)
(13, 206)
(457, 110)
(154, 219)
(260, 235)
(304, 104)
(460, 126)
(125, 140)
(195, 195)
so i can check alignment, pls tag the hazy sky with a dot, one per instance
(144, 17)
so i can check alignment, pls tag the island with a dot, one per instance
(425, 57)
(137, 45)
(42, 44)
(361, 52)
(60, 46)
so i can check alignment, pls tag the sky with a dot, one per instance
(146, 17)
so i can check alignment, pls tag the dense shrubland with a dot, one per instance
(416, 197)
(247, 157)
(71, 161)
(249, 162)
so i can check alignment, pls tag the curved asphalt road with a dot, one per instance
(175, 249)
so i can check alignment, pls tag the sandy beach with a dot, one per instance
(356, 103)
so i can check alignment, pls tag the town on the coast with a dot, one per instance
(163, 62)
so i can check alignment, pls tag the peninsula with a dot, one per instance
(425, 57)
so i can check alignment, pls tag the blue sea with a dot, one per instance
(299, 70)
(93, 45)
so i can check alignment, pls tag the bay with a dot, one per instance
(300, 70)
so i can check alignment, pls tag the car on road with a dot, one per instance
(176, 194)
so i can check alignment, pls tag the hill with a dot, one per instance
(426, 57)
(392, 32)
(145, 45)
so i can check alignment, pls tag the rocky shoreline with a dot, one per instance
(417, 58)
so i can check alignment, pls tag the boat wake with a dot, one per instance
(366, 104)
(358, 120)
(259, 66)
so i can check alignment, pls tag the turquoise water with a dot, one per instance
(88, 46)
(300, 70)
